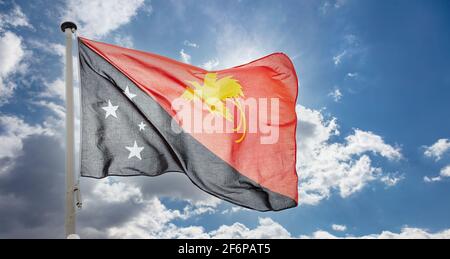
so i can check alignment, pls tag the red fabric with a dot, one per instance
(273, 166)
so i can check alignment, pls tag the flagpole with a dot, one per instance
(69, 28)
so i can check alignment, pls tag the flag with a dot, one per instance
(232, 132)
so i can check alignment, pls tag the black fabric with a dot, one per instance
(103, 141)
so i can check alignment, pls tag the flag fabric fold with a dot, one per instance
(231, 132)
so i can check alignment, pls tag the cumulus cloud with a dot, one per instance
(12, 53)
(98, 18)
(267, 228)
(153, 220)
(14, 131)
(118, 207)
(445, 173)
(438, 149)
(156, 222)
(12, 50)
(405, 233)
(234, 209)
(116, 192)
(32, 192)
(325, 165)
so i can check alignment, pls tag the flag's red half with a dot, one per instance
(273, 166)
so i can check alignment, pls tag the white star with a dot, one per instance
(135, 151)
(128, 93)
(110, 110)
(142, 126)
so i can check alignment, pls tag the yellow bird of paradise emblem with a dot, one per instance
(214, 93)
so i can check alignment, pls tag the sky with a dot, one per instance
(373, 132)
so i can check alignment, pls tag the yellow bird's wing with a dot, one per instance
(229, 88)
(189, 94)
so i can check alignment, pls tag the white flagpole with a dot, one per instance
(69, 28)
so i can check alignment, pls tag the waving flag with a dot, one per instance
(232, 132)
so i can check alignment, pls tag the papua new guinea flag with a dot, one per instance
(232, 131)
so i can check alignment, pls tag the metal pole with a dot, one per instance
(69, 28)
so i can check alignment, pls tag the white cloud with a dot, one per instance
(337, 227)
(366, 141)
(431, 179)
(186, 58)
(58, 110)
(150, 218)
(324, 166)
(234, 209)
(336, 95)
(190, 44)
(97, 18)
(58, 49)
(437, 149)
(352, 75)
(151, 222)
(116, 192)
(445, 173)
(267, 228)
(14, 18)
(14, 131)
(338, 58)
(124, 41)
(48, 47)
(132, 200)
(11, 55)
(55, 89)
(210, 64)
(392, 180)
(350, 48)
(156, 222)
(405, 233)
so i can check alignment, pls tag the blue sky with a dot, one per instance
(373, 108)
